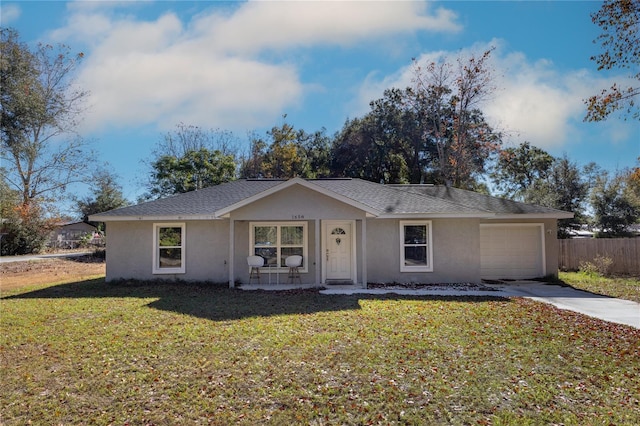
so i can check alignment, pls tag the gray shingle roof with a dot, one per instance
(390, 200)
(204, 202)
(381, 200)
(478, 201)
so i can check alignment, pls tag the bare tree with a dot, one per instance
(191, 158)
(189, 138)
(448, 98)
(40, 111)
(106, 194)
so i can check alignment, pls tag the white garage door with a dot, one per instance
(511, 251)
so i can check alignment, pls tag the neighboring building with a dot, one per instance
(68, 235)
(346, 230)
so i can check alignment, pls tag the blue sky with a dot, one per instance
(241, 66)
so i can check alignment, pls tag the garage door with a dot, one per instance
(511, 251)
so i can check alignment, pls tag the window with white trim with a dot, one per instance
(169, 248)
(275, 241)
(416, 254)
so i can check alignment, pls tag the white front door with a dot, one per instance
(338, 246)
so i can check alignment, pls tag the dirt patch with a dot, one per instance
(47, 271)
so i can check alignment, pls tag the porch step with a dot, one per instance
(339, 282)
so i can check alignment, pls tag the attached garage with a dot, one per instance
(512, 251)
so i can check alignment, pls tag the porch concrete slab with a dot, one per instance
(278, 287)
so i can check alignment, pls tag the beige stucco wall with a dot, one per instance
(129, 246)
(456, 243)
(130, 251)
(456, 252)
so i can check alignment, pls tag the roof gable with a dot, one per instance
(309, 184)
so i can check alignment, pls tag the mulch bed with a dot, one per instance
(437, 286)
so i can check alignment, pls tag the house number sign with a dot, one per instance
(297, 216)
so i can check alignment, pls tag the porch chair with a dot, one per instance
(255, 262)
(294, 262)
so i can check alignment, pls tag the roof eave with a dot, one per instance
(554, 215)
(168, 218)
(430, 215)
(478, 215)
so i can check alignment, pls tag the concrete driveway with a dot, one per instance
(606, 308)
(603, 307)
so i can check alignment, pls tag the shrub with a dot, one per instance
(20, 240)
(599, 265)
(100, 253)
(25, 232)
(85, 239)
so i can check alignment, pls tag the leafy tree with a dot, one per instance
(433, 131)
(9, 199)
(40, 109)
(352, 152)
(252, 166)
(317, 149)
(362, 149)
(193, 171)
(397, 129)
(25, 230)
(106, 195)
(620, 39)
(563, 188)
(286, 153)
(614, 203)
(285, 157)
(385, 145)
(189, 158)
(416, 135)
(519, 168)
(447, 98)
(633, 183)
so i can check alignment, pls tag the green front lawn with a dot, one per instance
(627, 288)
(167, 354)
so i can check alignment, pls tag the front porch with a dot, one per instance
(333, 253)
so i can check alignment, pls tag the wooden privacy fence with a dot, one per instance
(625, 253)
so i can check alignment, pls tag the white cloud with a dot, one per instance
(535, 101)
(280, 25)
(545, 105)
(211, 70)
(9, 13)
